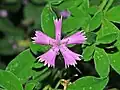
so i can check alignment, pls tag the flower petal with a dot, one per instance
(49, 57)
(69, 56)
(58, 26)
(41, 38)
(77, 38)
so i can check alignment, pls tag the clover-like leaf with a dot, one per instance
(102, 63)
(95, 21)
(115, 61)
(21, 66)
(107, 39)
(113, 14)
(47, 22)
(9, 81)
(88, 52)
(89, 83)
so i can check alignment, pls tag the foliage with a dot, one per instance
(99, 20)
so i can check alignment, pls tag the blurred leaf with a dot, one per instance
(38, 1)
(107, 39)
(89, 83)
(106, 28)
(21, 66)
(2, 65)
(10, 30)
(115, 61)
(115, 3)
(11, 5)
(6, 48)
(10, 1)
(32, 13)
(113, 14)
(9, 81)
(101, 61)
(95, 21)
(88, 52)
(47, 23)
(29, 86)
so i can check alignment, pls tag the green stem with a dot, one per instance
(102, 5)
(108, 5)
(59, 82)
(46, 87)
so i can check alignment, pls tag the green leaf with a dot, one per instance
(67, 4)
(106, 28)
(113, 14)
(74, 23)
(115, 61)
(89, 83)
(21, 66)
(47, 22)
(54, 2)
(95, 21)
(42, 73)
(38, 48)
(9, 81)
(29, 86)
(101, 61)
(107, 39)
(84, 6)
(92, 10)
(91, 37)
(117, 43)
(88, 53)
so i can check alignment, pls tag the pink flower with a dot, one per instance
(65, 13)
(58, 45)
(3, 13)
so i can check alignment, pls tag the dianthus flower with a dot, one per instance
(59, 45)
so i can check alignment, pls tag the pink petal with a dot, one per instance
(58, 26)
(49, 57)
(77, 38)
(41, 38)
(69, 56)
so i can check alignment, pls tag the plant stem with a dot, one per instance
(108, 5)
(59, 82)
(102, 5)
